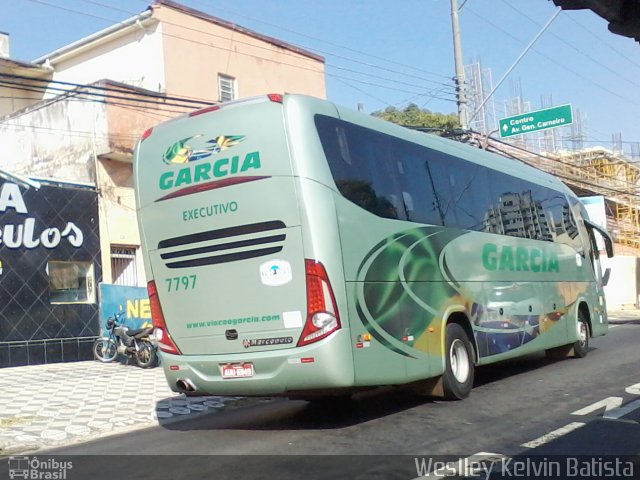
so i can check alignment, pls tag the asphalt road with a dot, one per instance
(529, 406)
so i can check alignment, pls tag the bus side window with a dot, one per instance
(562, 223)
(343, 145)
(418, 189)
(361, 164)
(439, 176)
(470, 194)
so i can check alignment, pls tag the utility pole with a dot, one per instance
(461, 88)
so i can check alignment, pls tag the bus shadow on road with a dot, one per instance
(284, 414)
(631, 321)
(510, 368)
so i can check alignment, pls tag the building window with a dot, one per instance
(226, 88)
(124, 270)
(71, 282)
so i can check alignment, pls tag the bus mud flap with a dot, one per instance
(431, 387)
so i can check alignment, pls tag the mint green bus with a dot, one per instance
(297, 248)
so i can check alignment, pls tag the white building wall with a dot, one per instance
(135, 58)
(60, 141)
(622, 290)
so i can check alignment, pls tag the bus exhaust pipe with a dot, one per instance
(185, 385)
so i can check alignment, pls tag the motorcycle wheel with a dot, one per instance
(146, 356)
(105, 350)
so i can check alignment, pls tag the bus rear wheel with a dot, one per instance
(457, 380)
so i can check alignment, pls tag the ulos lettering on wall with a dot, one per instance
(27, 234)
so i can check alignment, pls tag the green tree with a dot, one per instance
(415, 117)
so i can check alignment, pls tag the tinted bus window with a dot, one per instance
(471, 195)
(393, 178)
(362, 167)
(418, 184)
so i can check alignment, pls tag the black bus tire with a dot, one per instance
(581, 346)
(457, 380)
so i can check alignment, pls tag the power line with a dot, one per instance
(155, 102)
(384, 102)
(149, 109)
(584, 183)
(392, 62)
(601, 40)
(263, 58)
(383, 86)
(563, 66)
(97, 97)
(400, 82)
(169, 100)
(88, 134)
(84, 133)
(557, 160)
(70, 132)
(562, 40)
(129, 91)
(78, 94)
(515, 63)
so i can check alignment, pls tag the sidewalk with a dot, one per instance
(45, 406)
(621, 316)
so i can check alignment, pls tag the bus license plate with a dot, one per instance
(237, 370)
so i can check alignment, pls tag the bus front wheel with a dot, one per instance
(457, 380)
(581, 346)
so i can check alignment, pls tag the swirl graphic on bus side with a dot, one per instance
(405, 287)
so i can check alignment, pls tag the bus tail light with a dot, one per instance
(146, 134)
(212, 108)
(160, 332)
(322, 312)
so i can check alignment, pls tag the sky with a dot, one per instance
(382, 53)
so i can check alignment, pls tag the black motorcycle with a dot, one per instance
(136, 343)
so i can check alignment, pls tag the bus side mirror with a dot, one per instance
(608, 241)
(608, 245)
(605, 277)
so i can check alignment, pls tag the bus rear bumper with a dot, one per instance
(327, 364)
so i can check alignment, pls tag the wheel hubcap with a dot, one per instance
(459, 360)
(582, 333)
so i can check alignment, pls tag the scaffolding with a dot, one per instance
(480, 83)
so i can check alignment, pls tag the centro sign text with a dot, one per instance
(534, 121)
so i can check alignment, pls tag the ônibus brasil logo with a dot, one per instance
(194, 148)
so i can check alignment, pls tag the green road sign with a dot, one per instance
(534, 121)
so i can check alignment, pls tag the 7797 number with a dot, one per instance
(175, 284)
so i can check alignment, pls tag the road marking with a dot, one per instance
(613, 326)
(622, 411)
(608, 403)
(633, 389)
(553, 435)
